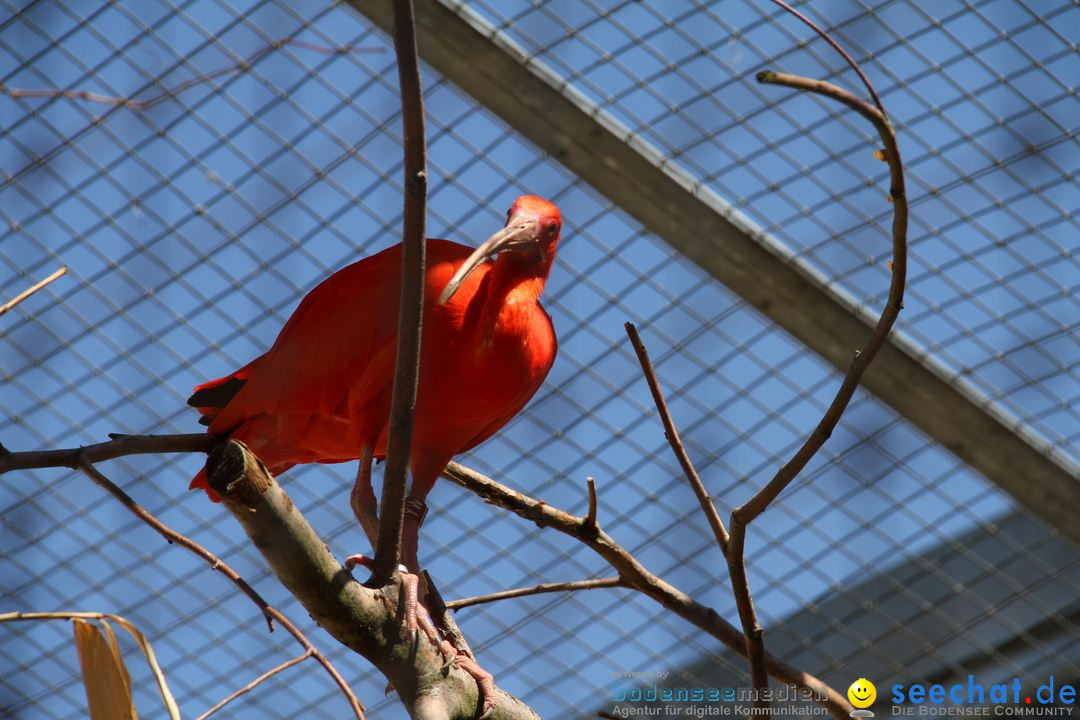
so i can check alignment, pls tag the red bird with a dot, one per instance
(322, 392)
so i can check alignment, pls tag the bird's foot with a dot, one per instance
(485, 681)
(414, 616)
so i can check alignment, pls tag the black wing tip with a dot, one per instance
(217, 396)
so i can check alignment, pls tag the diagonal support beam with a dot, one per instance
(670, 203)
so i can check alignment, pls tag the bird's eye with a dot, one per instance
(552, 228)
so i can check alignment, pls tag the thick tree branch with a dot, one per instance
(410, 314)
(637, 576)
(363, 619)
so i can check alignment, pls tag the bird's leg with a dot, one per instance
(415, 512)
(454, 648)
(459, 647)
(412, 585)
(414, 616)
(484, 680)
(362, 499)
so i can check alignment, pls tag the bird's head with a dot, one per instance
(531, 234)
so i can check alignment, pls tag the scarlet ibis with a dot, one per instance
(322, 391)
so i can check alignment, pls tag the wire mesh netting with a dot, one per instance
(267, 154)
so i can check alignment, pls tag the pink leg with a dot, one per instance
(414, 615)
(484, 680)
(415, 512)
(362, 499)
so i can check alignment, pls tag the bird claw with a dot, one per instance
(415, 618)
(353, 560)
(485, 681)
(449, 654)
(414, 615)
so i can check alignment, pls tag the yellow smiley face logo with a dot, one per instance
(862, 693)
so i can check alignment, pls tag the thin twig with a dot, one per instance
(172, 536)
(410, 314)
(672, 435)
(638, 577)
(590, 517)
(244, 65)
(571, 586)
(862, 358)
(140, 639)
(120, 446)
(255, 683)
(269, 612)
(746, 513)
(31, 290)
(844, 53)
(753, 632)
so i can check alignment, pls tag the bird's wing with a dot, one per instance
(335, 343)
(338, 347)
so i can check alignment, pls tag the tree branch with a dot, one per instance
(672, 435)
(638, 577)
(838, 48)
(255, 683)
(590, 516)
(269, 612)
(742, 516)
(363, 619)
(119, 446)
(444, 619)
(410, 314)
(143, 643)
(570, 586)
(862, 358)
(31, 290)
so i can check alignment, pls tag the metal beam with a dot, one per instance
(701, 225)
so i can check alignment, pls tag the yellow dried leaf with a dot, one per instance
(880, 155)
(108, 685)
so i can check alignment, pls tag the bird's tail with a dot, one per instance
(209, 398)
(199, 483)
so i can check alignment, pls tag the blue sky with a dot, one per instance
(193, 228)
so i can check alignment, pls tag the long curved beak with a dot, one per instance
(521, 234)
